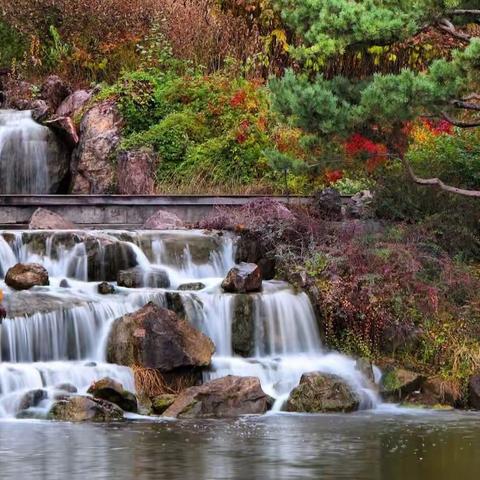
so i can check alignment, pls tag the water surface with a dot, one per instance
(366, 445)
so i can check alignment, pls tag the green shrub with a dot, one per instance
(12, 45)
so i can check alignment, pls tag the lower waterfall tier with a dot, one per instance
(52, 334)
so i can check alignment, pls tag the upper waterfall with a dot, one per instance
(32, 160)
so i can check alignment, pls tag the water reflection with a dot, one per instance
(361, 446)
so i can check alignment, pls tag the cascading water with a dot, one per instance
(32, 159)
(57, 334)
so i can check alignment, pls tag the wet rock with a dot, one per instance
(195, 286)
(32, 399)
(66, 387)
(73, 103)
(138, 278)
(84, 409)
(43, 219)
(434, 392)
(105, 288)
(154, 337)
(113, 392)
(322, 393)
(64, 283)
(365, 366)
(40, 110)
(176, 302)
(136, 172)
(243, 332)
(397, 383)
(243, 278)
(65, 128)
(54, 90)
(328, 204)
(93, 168)
(250, 249)
(163, 220)
(160, 403)
(474, 392)
(225, 397)
(90, 364)
(24, 276)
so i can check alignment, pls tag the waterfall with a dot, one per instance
(24, 151)
(57, 334)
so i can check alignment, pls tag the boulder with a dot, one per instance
(53, 91)
(328, 204)
(66, 387)
(105, 288)
(137, 277)
(194, 286)
(243, 278)
(322, 393)
(225, 397)
(154, 337)
(243, 330)
(84, 409)
(65, 128)
(43, 219)
(163, 220)
(23, 276)
(93, 169)
(397, 383)
(113, 392)
(365, 366)
(32, 399)
(160, 403)
(40, 110)
(435, 391)
(250, 249)
(474, 392)
(360, 205)
(136, 172)
(64, 283)
(73, 103)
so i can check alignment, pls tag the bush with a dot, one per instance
(12, 45)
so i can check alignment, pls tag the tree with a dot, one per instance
(333, 102)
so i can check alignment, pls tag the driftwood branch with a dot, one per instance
(466, 105)
(467, 13)
(436, 182)
(447, 26)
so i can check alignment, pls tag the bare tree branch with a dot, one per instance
(436, 182)
(466, 105)
(475, 13)
(472, 96)
(460, 123)
(448, 27)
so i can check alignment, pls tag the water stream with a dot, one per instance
(57, 334)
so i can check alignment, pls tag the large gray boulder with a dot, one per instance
(136, 172)
(84, 409)
(154, 337)
(24, 276)
(243, 278)
(113, 392)
(221, 398)
(322, 393)
(163, 220)
(73, 103)
(43, 219)
(93, 168)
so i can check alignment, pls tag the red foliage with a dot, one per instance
(333, 176)
(238, 98)
(439, 127)
(358, 145)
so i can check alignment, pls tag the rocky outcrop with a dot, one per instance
(24, 276)
(243, 278)
(65, 129)
(359, 205)
(84, 409)
(136, 172)
(365, 367)
(322, 393)
(40, 110)
(53, 91)
(105, 288)
(137, 277)
(221, 398)
(32, 399)
(474, 392)
(243, 331)
(397, 383)
(73, 103)
(161, 403)
(93, 168)
(113, 392)
(163, 220)
(43, 219)
(154, 337)
(251, 249)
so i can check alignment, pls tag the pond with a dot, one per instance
(365, 445)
